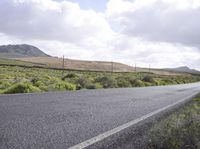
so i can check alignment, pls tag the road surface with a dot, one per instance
(63, 120)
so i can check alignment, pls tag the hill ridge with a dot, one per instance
(183, 69)
(20, 50)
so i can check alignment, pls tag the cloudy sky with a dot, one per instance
(163, 33)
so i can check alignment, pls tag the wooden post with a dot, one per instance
(135, 68)
(112, 66)
(63, 66)
(149, 68)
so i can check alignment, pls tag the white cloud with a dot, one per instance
(158, 54)
(163, 33)
(49, 20)
(174, 21)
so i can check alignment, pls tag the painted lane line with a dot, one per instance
(124, 126)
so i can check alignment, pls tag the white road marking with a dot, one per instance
(124, 126)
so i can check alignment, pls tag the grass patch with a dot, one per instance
(197, 99)
(180, 130)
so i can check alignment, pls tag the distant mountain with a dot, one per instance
(18, 51)
(183, 69)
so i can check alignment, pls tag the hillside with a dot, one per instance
(17, 51)
(55, 62)
(183, 69)
(34, 56)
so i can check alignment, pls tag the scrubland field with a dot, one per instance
(181, 130)
(15, 79)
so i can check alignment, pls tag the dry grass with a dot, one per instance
(92, 65)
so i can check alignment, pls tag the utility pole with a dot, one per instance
(63, 65)
(135, 68)
(112, 68)
(149, 68)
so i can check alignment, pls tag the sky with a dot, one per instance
(162, 33)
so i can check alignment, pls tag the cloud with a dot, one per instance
(50, 20)
(173, 21)
(158, 54)
(163, 33)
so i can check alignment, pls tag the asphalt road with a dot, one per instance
(62, 120)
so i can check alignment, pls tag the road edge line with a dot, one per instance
(120, 128)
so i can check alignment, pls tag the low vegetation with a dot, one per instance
(178, 131)
(27, 80)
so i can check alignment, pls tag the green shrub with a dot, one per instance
(168, 81)
(78, 87)
(55, 84)
(107, 82)
(47, 77)
(25, 87)
(70, 76)
(34, 80)
(197, 99)
(40, 84)
(148, 78)
(4, 84)
(123, 82)
(157, 82)
(179, 81)
(3, 76)
(83, 82)
(138, 83)
(65, 86)
(147, 84)
(94, 86)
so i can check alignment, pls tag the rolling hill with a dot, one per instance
(33, 56)
(55, 62)
(23, 50)
(183, 69)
